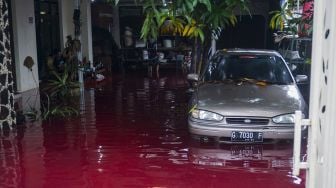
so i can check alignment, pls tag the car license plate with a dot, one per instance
(242, 136)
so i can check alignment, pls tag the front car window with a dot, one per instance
(268, 68)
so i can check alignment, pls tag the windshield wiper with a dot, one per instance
(240, 81)
(278, 83)
(219, 81)
(259, 82)
(271, 82)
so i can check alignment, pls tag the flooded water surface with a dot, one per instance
(132, 132)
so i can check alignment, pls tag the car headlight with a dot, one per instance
(206, 115)
(284, 119)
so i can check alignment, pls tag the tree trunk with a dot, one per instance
(7, 112)
(200, 60)
(205, 47)
(195, 54)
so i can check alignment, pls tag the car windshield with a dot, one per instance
(266, 68)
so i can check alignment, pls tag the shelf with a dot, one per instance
(173, 49)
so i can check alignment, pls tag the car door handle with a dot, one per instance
(299, 122)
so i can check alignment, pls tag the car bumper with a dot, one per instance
(225, 131)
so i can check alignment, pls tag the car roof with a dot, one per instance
(249, 51)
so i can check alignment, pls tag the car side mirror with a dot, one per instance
(301, 78)
(193, 77)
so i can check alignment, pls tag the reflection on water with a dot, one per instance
(250, 157)
(132, 132)
(11, 171)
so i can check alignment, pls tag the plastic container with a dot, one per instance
(167, 43)
(145, 55)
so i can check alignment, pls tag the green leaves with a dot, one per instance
(61, 86)
(59, 92)
(222, 14)
(171, 25)
(277, 21)
(58, 99)
(150, 28)
(50, 109)
(186, 6)
(284, 18)
(190, 18)
(200, 33)
(62, 111)
(207, 3)
(194, 30)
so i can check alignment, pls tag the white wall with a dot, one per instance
(24, 43)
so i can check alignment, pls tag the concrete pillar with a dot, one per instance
(7, 112)
(66, 9)
(86, 34)
(24, 43)
(115, 26)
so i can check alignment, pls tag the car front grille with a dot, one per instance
(247, 121)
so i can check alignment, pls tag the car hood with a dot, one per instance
(249, 99)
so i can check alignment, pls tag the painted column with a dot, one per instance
(24, 35)
(7, 113)
(321, 152)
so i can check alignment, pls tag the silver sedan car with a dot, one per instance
(245, 96)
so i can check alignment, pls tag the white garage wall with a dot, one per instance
(24, 43)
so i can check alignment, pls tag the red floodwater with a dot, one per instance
(132, 132)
